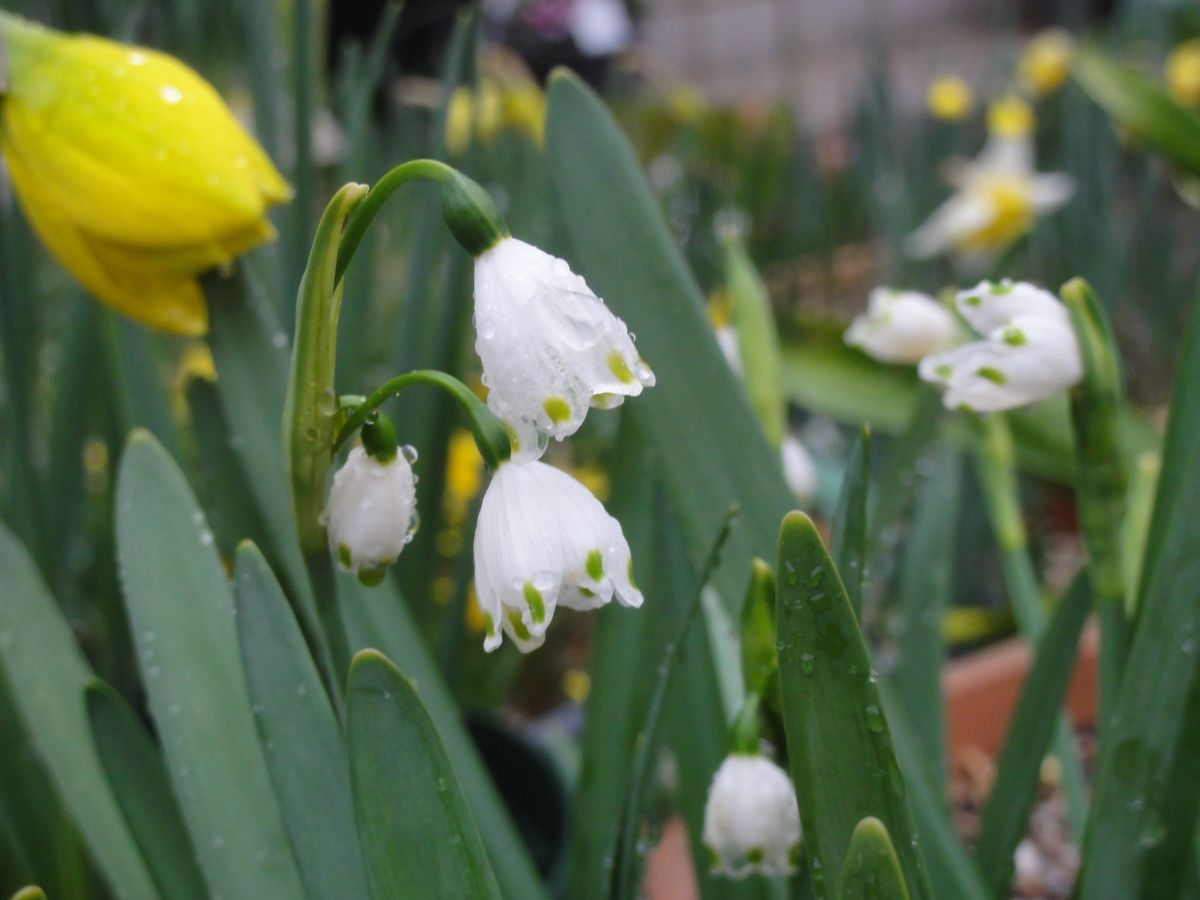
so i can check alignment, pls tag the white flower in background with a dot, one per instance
(999, 194)
(371, 513)
(902, 326)
(1029, 350)
(798, 469)
(550, 347)
(600, 27)
(727, 340)
(542, 540)
(751, 821)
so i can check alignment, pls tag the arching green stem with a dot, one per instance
(491, 435)
(466, 207)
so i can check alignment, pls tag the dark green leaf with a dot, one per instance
(181, 614)
(300, 734)
(850, 520)
(47, 674)
(871, 870)
(1006, 815)
(839, 746)
(418, 837)
(139, 778)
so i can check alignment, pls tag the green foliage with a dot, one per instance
(871, 870)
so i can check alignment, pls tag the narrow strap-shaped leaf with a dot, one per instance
(926, 577)
(850, 520)
(418, 837)
(181, 614)
(32, 892)
(139, 778)
(302, 740)
(1006, 815)
(760, 659)
(839, 746)
(1147, 735)
(871, 870)
(46, 673)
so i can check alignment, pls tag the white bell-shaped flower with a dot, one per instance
(550, 347)
(751, 821)
(1029, 350)
(542, 540)
(799, 471)
(371, 512)
(902, 326)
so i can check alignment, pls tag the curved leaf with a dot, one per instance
(871, 870)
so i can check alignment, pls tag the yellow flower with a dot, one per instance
(1010, 117)
(476, 112)
(130, 170)
(1183, 73)
(1047, 62)
(523, 107)
(949, 98)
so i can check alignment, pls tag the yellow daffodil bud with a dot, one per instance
(1046, 64)
(130, 169)
(523, 107)
(949, 98)
(1183, 73)
(1010, 117)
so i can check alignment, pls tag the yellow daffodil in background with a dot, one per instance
(1183, 73)
(1046, 63)
(130, 169)
(999, 195)
(949, 98)
(506, 97)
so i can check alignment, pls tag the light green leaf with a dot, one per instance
(418, 837)
(181, 614)
(759, 657)
(839, 746)
(135, 769)
(871, 870)
(300, 734)
(47, 673)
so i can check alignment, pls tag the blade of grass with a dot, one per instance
(850, 520)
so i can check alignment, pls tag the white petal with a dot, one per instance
(798, 469)
(962, 215)
(543, 540)
(751, 812)
(1049, 192)
(991, 305)
(550, 347)
(370, 511)
(902, 326)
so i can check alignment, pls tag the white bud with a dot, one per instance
(550, 347)
(751, 821)
(902, 326)
(798, 469)
(1029, 351)
(371, 512)
(542, 540)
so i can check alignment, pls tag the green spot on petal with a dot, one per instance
(619, 368)
(943, 371)
(995, 376)
(973, 300)
(372, 575)
(557, 409)
(1003, 287)
(755, 856)
(1014, 337)
(537, 607)
(595, 565)
(344, 557)
(518, 627)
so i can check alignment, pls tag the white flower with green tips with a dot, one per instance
(371, 513)
(902, 326)
(1029, 350)
(751, 821)
(543, 541)
(550, 347)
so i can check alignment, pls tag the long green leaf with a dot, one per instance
(850, 520)
(47, 674)
(839, 746)
(302, 740)
(871, 870)
(1146, 739)
(135, 769)
(1005, 818)
(377, 617)
(418, 837)
(924, 594)
(181, 614)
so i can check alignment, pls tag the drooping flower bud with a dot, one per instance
(751, 820)
(1029, 351)
(902, 326)
(550, 347)
(542, 540)
(131, 170)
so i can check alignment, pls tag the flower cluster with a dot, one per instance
(1027, 349)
